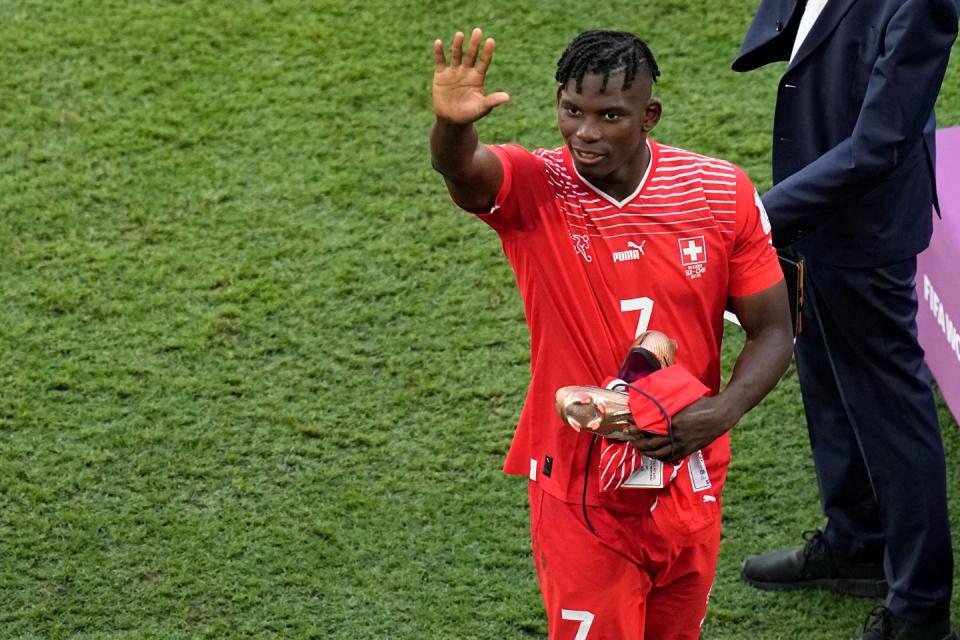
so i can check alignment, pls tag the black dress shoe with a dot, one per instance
(814, 566)
(882, 624)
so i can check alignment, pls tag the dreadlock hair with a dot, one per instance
(606, 52)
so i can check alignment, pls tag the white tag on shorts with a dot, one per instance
(699, 477)
(648, 476)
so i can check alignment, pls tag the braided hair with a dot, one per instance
(606, 52)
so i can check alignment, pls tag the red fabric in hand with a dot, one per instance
(673, 387)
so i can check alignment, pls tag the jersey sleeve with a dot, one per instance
(521, 171)
(753, 264)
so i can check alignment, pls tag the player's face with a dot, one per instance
(606, 130)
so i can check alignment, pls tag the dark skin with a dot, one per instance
(472, 172)
(606, 131)
(765, 356)
(606, 134)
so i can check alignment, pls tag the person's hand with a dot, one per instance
(693, 428)
(458, 94)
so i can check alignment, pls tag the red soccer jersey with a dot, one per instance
(594, 273)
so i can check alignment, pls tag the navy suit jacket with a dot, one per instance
(853, 134)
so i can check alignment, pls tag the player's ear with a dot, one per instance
(652, 113)
(559, 92)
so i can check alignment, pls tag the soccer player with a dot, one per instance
(609, 236)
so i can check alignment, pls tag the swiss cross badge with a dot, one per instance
(693, 256)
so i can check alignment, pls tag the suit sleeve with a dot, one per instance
(900, 95)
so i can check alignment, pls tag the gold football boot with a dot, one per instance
(604, 411)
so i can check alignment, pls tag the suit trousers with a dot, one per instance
(874, 432)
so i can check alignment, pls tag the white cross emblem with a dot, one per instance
(693, 250)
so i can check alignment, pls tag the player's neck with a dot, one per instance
(622, 184)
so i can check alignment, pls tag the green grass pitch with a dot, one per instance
(258, 375)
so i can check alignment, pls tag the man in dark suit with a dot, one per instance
(854, 191)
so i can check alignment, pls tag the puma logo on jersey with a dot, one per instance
(632, 253)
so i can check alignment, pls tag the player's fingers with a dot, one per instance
(651, 443)
(440, 60)
(473, 47)
(486, 55)
(456, 52)
(675, 455)
(664, 454)
(495, 99)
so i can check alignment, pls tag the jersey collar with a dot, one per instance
(617, 203)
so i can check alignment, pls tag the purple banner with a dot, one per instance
(938, 289)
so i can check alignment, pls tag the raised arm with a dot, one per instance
(472, 172)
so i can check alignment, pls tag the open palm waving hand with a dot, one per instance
(458, 93)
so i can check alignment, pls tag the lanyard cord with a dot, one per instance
(666, 416)
(593, 441)
(586, 476)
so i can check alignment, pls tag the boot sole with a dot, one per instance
(860, 588)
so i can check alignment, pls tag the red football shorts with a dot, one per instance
(628, 582)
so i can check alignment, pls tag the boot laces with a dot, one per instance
(815, 544)
(882, 623)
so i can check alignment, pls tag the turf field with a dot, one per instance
(257, 375)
